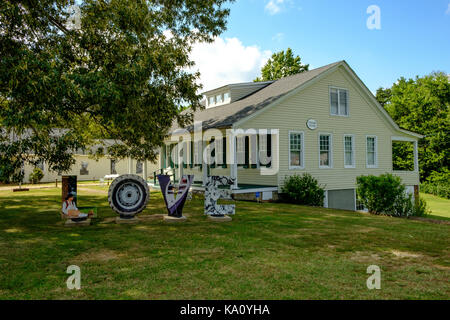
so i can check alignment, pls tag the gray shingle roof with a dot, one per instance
(224, 116)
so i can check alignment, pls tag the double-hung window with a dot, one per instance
(349, 151)
(339, 102)
(211, 101)
(296, 150)
(371, 150)
(325, 150)
(240, 150)
(265, 149)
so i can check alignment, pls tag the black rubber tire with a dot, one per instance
(128, 187)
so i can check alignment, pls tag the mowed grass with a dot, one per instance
(439, 207)
(268, 251)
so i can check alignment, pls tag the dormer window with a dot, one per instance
(226, 96)
(211, 101)
(219, 98)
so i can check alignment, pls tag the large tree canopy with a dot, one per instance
(282, 64)
(422, 105)
(118, 71)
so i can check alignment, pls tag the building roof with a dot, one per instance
(225, 115)
(239, 85)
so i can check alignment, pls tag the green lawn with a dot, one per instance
(440, 207)
(268, 251)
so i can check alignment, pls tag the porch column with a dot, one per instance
(416, 157)
(204, 164)
(130, 165)
(233, 165)
(180, 160)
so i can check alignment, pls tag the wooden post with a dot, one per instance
(416, 194)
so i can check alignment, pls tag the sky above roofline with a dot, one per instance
(412, 39)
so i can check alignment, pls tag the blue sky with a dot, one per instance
(414, 38)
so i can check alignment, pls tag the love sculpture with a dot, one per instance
(213, 193)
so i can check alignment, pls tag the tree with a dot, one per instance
(118, 71)
(281, 65)
(422, 105)
(383, 96)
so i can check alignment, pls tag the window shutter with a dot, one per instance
(224, 152)
(334, 101)
(177, 155)
(185, 154)
(254, 150)
(219, 151)
(212, 153)
(171, 164)
(247, 151)
(191, 153)
(240, 152)
(343, 102)
(198, 153)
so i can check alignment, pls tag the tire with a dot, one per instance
(128, 195)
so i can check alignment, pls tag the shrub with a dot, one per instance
(36, 176)
(385, 194)
(304, 189)
(438, 183)
(420, 208)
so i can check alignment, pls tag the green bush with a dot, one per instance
(438, 183)
(304, 189)
(36, 176)
(420, 208)
(386, 194)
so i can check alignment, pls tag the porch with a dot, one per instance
(240, 188)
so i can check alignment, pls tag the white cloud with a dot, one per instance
(226, 61)
(274, 6)
(448, 10)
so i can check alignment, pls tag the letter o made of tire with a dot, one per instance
(128, 195)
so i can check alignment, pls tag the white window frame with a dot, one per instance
(218, 151)
(339, 101)
(220, 95)
(376, 152)
(302, 155)
(331, 149)
(240, 151)
(353, 165)
(213, 101)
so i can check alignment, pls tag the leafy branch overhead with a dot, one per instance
(280, 65)
(121, 75)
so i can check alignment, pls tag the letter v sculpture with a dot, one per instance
(175, 202)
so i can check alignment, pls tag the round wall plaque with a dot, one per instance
(311, 124)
